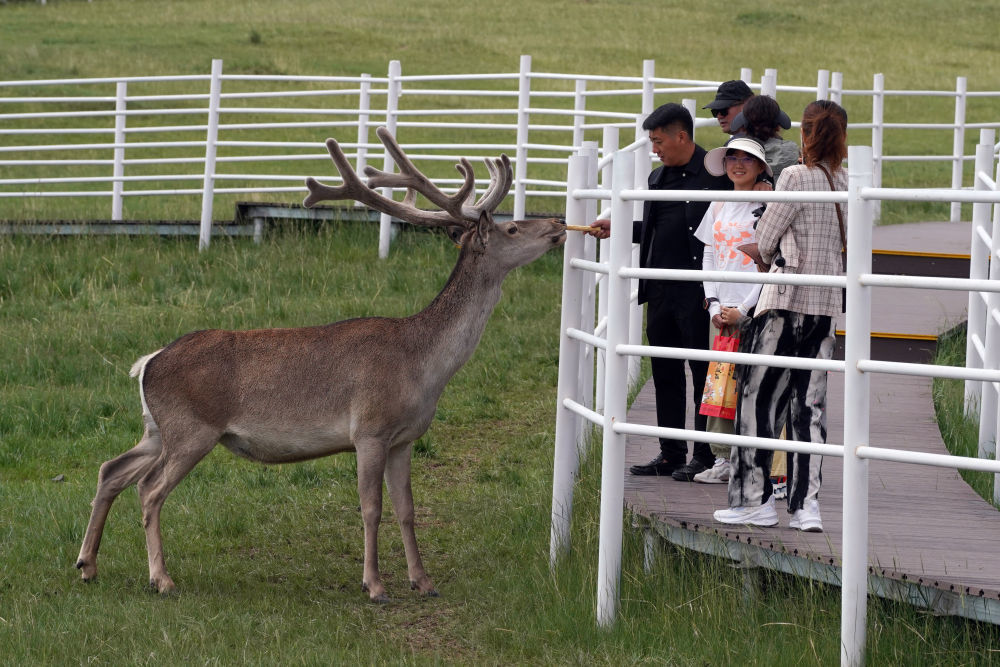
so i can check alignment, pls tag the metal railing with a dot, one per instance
(217, 134)
(615, 336)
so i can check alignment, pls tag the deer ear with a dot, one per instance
(484, 227)
(455, 234)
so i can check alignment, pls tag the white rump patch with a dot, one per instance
(139, 370)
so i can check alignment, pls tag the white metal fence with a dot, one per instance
(615, 333)
(215, 134)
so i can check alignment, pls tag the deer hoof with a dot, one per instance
(380, 598)
(88, 572)
(162, 586)
(425, 587)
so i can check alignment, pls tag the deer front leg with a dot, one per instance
(397, 477)
(371, 465)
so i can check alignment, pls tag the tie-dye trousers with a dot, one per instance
(770, 395)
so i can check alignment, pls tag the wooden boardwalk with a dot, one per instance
(932, 541)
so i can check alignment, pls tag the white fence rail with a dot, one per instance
(239, 134)
(616, 334)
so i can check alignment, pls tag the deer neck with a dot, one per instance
(451, 326)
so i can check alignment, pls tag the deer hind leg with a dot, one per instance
(397, 477)
(115, 476)
(371, 465)
(176, 461)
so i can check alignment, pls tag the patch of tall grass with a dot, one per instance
(959, 430)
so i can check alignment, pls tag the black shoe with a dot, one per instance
(657, 466)
(686, 472)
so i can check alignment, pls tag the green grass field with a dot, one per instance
(268, 559)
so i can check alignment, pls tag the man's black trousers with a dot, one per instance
(676, 317)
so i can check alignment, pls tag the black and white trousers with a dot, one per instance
(769, 396)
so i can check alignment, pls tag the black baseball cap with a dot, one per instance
(730, 93)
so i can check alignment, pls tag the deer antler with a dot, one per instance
(455, 209)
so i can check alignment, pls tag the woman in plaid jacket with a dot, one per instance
(795, 321)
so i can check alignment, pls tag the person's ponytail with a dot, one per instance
(824, 134)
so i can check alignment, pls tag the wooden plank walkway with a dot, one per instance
(932, 541)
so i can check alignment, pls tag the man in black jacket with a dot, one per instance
(675, 310)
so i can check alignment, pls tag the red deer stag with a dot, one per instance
(370, 385)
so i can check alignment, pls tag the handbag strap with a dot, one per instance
(840, 216)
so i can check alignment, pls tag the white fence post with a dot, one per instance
(854, 586)
(976, 316)
(566, 452)
(641, 163)
(958, 150)
(385, 226)
(579, 104)
(823, 84)
(640, 175)
(837, 87)
(364, 106)
(769, 83)
(996, 234)
(121, 91)
(615, 397)
(692, 107)
(648, 86)
(746, 75)
(634, 323)
(609, 146)
(878, 130)
(521, 150)
(585, 321)
(211, 142)
(988, 400)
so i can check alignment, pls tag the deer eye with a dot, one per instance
(512, 229)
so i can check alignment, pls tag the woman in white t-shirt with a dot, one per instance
(725, 227)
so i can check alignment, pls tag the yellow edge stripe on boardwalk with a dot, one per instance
(897, 336)
(914, 253)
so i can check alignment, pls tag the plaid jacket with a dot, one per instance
(807, 236)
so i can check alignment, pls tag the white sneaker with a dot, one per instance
(764, 515)
(717, 474)
(807, 519)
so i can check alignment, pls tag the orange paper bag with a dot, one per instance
(719, 397)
